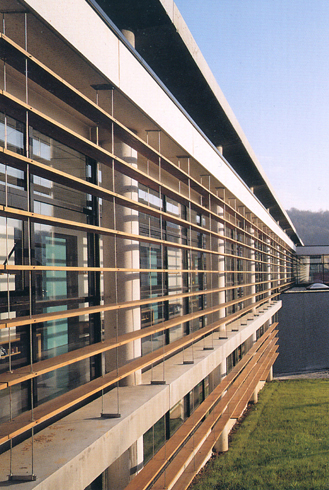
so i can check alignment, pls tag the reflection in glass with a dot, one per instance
(56, 383)
(12, 134)
(176, 417)
(18, 394)
(154, 439)
(47, 150)
(14, 297)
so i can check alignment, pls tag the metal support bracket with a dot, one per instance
(22, 478)
(110, 415)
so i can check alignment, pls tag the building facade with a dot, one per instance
(142, 252)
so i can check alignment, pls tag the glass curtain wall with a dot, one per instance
(58, 252)
(167, 263)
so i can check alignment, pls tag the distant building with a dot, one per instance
(303, 319)
(312, 265)
(142, 249)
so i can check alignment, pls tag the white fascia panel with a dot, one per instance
(78, 23)
(136, 82)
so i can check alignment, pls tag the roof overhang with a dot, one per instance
(164, 41)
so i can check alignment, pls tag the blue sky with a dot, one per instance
(271, 60)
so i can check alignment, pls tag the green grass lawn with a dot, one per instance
(283, 443)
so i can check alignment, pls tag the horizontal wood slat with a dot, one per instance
(177, 442)
(171, 167)
(90, 310)
(87, 228)
(270, 363)
(60, 222)
(11, 268)
(31, 371)
(206, 443)
(45, 77)
(44, 412)
(22, 374)
(243, 402)
(45, 171)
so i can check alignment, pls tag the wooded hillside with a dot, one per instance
(312, 227)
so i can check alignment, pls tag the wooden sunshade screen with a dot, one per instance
(272, 249)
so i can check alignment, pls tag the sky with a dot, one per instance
(271, 60)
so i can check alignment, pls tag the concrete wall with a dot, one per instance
(303, 332)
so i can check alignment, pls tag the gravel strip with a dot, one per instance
(323, 374)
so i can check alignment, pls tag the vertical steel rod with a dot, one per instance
(190, 251)
(162, 256)
(116, 284)
(4, 63)
(29, 204)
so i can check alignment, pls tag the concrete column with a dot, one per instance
(217, 375)
(278, 270)
(254, 396)
(285, 270)
(304, 270)
(221, 268)
(253, 267)
(222, 370)
(123, 470)
(221, 445)
(270, 375)
(125, 286)
(268, 266)
(136, 456)
(130, 36)
(118, 474)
